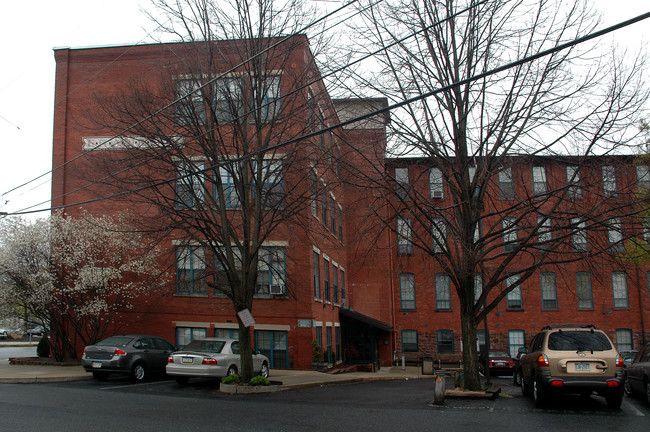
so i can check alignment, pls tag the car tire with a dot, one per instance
(100, 376)
(627, 386)
(614, 400)
(525, 390)
(264, 371)
(182, 380)
(139, 372)
(539, 393)
(232, 370)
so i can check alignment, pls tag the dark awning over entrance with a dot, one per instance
(365, 319)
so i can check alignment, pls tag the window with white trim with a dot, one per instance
(190, 184)
(615, 234)
(619, 290)
(404, 236)
(439, 233)
(402, 185)
(506, 184)
(443, 292)
(436, 184)
(514, 300)
(574, 182)
(190, 270)
(579, 235)
(516, 340)
(549, 290)
(624, 339)
(271, 271)
(610, 187)
(510, 236)
(407, 291)
(583, 290)
(540, 187)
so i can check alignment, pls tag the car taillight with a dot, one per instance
(542, 360)
(557, 383)
(119, 352)
(511, 363)
(170, 359)
(612, 383)
(619, 361)
(209, 361)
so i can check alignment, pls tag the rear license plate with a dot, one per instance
(582, 366)
(97, 365)
(187, 360)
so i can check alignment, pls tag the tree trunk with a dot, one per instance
(470, 356)
(246, 352)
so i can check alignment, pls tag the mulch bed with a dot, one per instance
(43, 361)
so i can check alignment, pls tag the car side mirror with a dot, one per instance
(137, 345)
(523, 350)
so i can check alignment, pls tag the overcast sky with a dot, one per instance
(29, 30)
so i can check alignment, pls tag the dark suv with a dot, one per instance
(572, 359)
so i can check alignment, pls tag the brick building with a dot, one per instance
(337, 277)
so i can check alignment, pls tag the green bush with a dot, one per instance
(43, 347)
(259, 381)
(230, 379)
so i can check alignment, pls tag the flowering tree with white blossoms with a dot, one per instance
(76, 275)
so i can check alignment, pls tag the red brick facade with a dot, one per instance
(361, 318)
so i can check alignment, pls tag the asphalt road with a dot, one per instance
(378, 406)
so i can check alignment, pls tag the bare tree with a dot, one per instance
(76, 275)
(472, 135)
(206, 139)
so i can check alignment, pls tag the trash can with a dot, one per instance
(428, 366)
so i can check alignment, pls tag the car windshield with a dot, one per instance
(578, 341)
(498, 354)
(205, 346)
(116, 341)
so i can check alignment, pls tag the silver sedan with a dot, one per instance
(211, 358)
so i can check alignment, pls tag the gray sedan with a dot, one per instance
(211, 358)
(637, 374)
(135, 355)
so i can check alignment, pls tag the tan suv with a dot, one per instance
(572, 359)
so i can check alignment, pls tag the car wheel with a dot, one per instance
(627, 386)
(182, 380)
(265, 370)
(614, 400)
(539, 393)
(100, 376)
(525, 390)
(232, 370)
(138, 372)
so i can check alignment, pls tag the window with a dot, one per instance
(326, 278)
(340, 224)
(316, 275)
(619, 289)
(516, 340)
(549, 291)
(439, 233)
(643, 177)
(539, 181)
(510, 237)
(404, 236)
(271, 272)
(583, 290)
(443, 292)
(579, 235)
(402, 187)
(227, 333)
(410, 341)
(337, 341)
(190, 184)
(544, 233)
(328, 335)
(269, 97)
(514, 299)
(615, 234)
(229, 101)
(185, 335)
(230, 193)
(478, 287)
(342, 287)
(190, 270)
(272, 180)
(333, 216)
(314, 193)
(221, 276)
(506, 185)
(445, 341)
(480, 335)
(407, 291)
(471, 171)
(273, 344)
(335, 283)
(624, 339)
(191, 108)
(436, 184)
(609, 181)
(574, 181)
(319, 339)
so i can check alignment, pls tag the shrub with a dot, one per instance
(230, 379)
(259, 381)
(43, 347)
(317, 354)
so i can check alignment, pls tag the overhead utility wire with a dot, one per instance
(171, 104)
(376, 112)
(332, 72)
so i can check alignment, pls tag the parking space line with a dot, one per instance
(132, 385)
